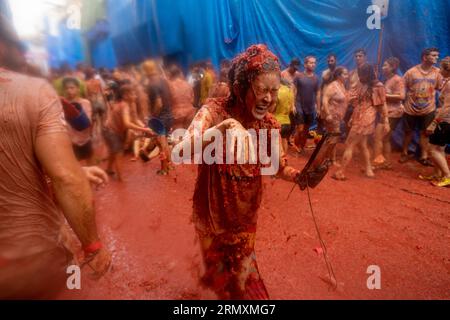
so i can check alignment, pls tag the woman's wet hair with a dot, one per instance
(360, 50)
(309, 58)
(394, 63)
(74, 81)
(339, 72)
(123, 91)
(367, 74)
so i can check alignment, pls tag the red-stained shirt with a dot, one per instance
(443, 113)
(421, 90)
(30, 221)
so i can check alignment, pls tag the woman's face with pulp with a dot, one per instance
(262, 95)
(345, 75)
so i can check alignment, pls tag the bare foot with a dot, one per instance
(369, 173)
(339, 176)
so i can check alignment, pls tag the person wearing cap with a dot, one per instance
(34, 140)
(227, 196)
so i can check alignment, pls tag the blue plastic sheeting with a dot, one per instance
(103, 55)
(196, 29)
(192, 30)
(67, 47)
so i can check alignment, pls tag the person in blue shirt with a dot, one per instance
(307, 86)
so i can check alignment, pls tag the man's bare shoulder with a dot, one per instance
(32, 91)
(22, 80)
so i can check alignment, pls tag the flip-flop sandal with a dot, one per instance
(382, 166)
(429, 178)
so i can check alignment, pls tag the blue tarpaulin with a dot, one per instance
(217, 29)
(192, 30)
(67, 47)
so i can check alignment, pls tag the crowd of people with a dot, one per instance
(354, 104)
(366, 112)
(48, 160)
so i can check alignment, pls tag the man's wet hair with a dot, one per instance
(360, 50)
(428, 51)
(309, 58)
(295, 62)
(332, 55)
(74, 81)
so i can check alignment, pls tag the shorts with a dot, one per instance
(114, 141)
(286, 131)
(394, 122)
(83, 152)
(98, 108)
(441, 136)
(302, 118)
(420, 122)
(167, 122)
